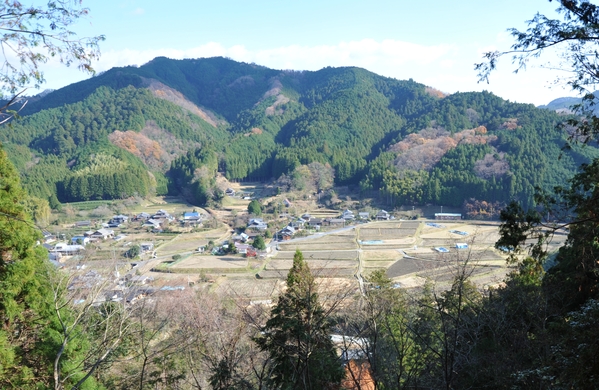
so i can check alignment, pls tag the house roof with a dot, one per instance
(152, 222)
(62, 247)
(104, 232)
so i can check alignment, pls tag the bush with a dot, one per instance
(133, 252)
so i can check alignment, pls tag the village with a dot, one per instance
(168, 245)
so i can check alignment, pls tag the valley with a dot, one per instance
(185, 256)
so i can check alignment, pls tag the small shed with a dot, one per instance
(448, 216)
(146, 246)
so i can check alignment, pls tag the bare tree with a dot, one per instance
(84, 314)
(32, 35)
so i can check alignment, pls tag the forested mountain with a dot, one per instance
(171, 124)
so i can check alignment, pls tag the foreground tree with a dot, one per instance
(33, 35)
(297, 336)
(574, 39)
(32, 326)
(33, 353)
(556, 307)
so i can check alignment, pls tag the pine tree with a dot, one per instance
(297, 336)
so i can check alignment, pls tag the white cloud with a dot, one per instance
(354, 53)
(449, 68)
(139, 11)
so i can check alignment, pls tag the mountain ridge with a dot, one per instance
(261, 123)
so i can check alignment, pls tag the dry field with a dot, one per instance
(191, 241)
(249, 287)
(377, 254)
(210, 262)
(385, 233)
(314, 264)
(327, 243)
(330, 255)
(317, 272)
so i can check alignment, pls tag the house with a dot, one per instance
(80, 240)
(298, 223)
(257, 223)
(82, 223)
(461, 245)
(153, 223)
(103, 234)
(287, 233)
(146, 246)
(119, 219)
(191, 216)
(448, 216)
(358, 375)
(139, 279)
(383, 216)
(334, 221)
(55, 257)
(138, 294)
(68, 250)
(162, 214)
(142, 216)
(90, 279)
(48, 237)
(364, 216)
(240, 237)
(242, 248)
(315, 222)
(348, 215)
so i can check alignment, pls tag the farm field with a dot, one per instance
(405, 249)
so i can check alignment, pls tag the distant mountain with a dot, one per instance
(565, 104)
(181, 121)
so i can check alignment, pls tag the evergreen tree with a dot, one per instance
(29, 338)
(255, 208)
(297, 336)
(259, 243)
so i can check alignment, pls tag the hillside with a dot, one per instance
(183, 120)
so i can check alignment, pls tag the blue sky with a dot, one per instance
(435, 42)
